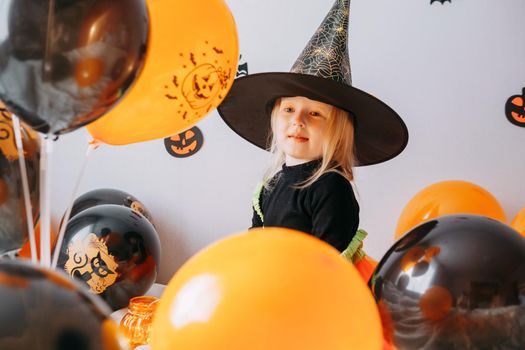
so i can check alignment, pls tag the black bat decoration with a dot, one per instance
(242, 70)
(441, 1)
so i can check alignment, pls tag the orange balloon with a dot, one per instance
(25, 251)
(190, 66)
(270, 288)
(448, 197)
(518, 223)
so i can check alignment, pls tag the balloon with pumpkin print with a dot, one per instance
(190, 66)
(114, 250)
(185, 144)
(515, 109)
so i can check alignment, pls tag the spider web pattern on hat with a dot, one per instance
(326, 54)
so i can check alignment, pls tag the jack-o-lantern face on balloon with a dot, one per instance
(184, 144)
(515, 109)
(200, 85)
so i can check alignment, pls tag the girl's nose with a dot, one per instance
(298, 120)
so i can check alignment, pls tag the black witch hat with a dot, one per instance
(321, 73)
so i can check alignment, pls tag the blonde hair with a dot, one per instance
(338, 148)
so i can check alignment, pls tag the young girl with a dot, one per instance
(319, 127)
(313, 144)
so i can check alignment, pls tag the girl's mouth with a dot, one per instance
(298, 138)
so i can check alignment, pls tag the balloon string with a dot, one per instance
(49, 37)
(45, 202)
(92, 145)
(25, 187)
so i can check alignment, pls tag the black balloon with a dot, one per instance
(108, 196)
(46, 310)
(13, 223)
(456, 282)
(64, 63)
(114, 250)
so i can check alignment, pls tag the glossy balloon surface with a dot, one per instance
(114, 250)
(65, 63)
(46, 310)
(455, 282)
(13, 222)
(269, 288)
(445, 198)
(108, 196)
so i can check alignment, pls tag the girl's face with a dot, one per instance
(299, 128)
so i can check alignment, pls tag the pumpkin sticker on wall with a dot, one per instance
(515, 109)
(185, 144)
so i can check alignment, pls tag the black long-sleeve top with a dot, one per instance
(326, 209)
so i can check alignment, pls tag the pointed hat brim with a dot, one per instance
(380, 133)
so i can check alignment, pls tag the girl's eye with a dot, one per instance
(288, 109)
(316, 114)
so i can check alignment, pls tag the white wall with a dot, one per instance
(446, 69)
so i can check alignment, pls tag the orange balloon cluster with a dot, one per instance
(448, 197)
(190, 66)
(269, 288)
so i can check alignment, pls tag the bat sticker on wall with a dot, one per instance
(242, 69)
(515, 109)
(185, 144)
(441, 1)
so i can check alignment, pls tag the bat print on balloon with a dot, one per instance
(441, 1)
(202, 85)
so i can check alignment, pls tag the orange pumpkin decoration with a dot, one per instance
(185, 144)
(515, 109)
